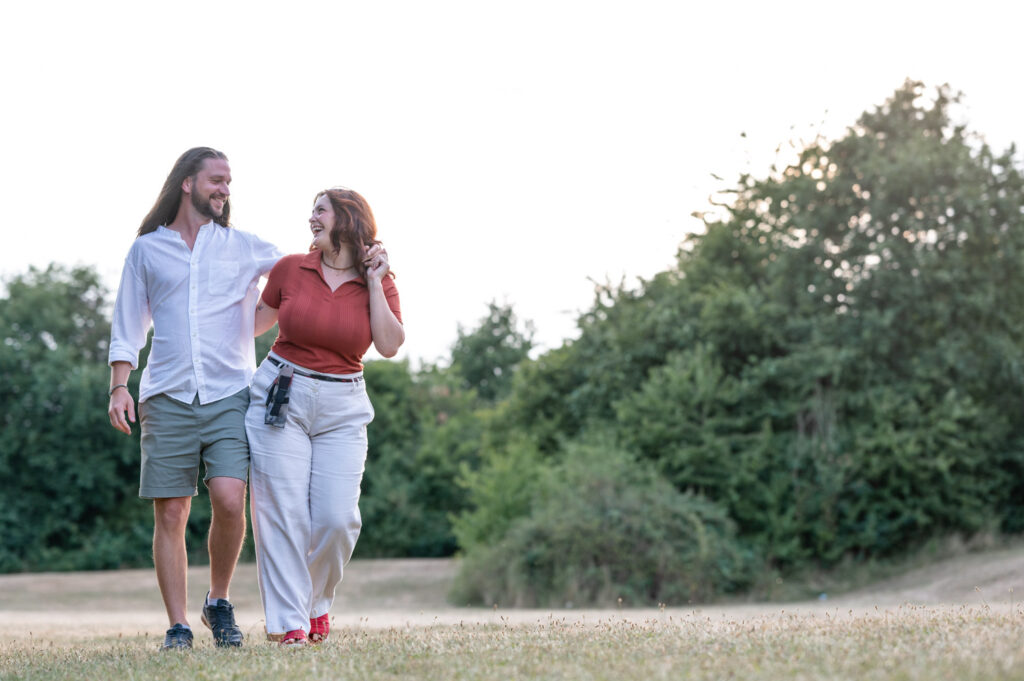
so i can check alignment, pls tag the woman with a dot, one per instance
(308, 411)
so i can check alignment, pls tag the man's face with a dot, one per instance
(209, 188)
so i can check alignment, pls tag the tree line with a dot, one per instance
(831, 370)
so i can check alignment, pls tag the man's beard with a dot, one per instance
(204, 207)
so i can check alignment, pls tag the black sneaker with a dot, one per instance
(221, 620)
(179, 637)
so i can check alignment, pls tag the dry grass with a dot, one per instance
(391, 622)
(911, 642)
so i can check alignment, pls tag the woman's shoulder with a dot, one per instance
(291, 262)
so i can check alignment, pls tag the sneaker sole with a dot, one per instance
(177, 648)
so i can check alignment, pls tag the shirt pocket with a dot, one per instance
(223, 277)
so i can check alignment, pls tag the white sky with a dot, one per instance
(511, 151)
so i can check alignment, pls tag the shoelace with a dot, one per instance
(223, 613)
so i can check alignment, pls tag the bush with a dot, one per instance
(605, 527)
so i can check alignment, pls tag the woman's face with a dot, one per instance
(321, 222)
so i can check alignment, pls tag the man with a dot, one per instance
(194, 278)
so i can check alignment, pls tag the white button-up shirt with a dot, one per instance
(201, 304)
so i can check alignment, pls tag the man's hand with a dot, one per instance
(121, 404)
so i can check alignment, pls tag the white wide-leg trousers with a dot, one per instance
(304, 493)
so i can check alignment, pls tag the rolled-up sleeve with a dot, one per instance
(132, 316)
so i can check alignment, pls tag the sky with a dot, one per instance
(515, 152)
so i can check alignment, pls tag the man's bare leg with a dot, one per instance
(227, 531)
(170, 517)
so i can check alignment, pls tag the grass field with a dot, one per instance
(954, 620)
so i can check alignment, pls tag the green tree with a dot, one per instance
(407, 488)
(486, 356)
(427, 429)
(69, 498)
(835, 361)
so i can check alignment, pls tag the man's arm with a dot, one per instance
(129, 324)
(121, 402)
(264, 254)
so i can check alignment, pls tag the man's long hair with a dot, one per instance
(165, 209)
(354, 227)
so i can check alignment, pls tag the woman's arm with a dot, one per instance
(388, 333)
(266, 317)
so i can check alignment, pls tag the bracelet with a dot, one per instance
(119, 385)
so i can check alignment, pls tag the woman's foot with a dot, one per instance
(319, 628)
(295, 638)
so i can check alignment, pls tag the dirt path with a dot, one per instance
(66, 607)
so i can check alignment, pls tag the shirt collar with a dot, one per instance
(311, 261)
(163, 229)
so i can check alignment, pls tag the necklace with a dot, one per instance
(340, 269)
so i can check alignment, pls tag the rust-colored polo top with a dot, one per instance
(319, 329)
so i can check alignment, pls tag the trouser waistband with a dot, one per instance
(313, 374)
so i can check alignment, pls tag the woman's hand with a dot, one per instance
(376, 261)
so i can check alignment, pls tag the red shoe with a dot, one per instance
(294, 638)
(319, 628)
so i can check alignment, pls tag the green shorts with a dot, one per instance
(177, 436)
